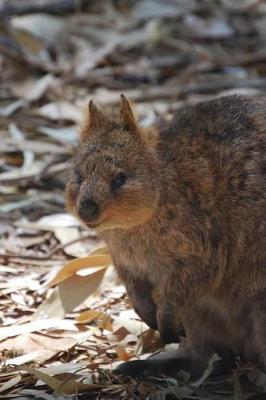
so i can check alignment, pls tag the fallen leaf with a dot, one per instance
(28, 41)
(33, 90)
(41, 26)
(66, 235)
(129, 320)
(58, 221)
(35, 326)
(10, 383)
(63, 135)
(88, 316)
(69, 294)
(61, 111)
(122, 354)
(36, 347)
(98, 261)
(67, 387)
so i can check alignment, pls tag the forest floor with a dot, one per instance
(66, 320)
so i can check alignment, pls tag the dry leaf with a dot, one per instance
(60, 220)
(35, 326)
(129, 320)
(122, 354)
(28, 42)
(33, 90)
(67, 387)
(98, 261)
(106, 323)
(61, 111)
(88, 316)
(41, 26)
(70, 293)
(10, 383)
(33, 346)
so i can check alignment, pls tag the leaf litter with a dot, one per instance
(66, 320)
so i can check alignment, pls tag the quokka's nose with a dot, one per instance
(88, 210)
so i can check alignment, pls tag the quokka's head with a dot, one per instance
(112, 182)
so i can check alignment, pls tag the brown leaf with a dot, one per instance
(122, 354)
(88, 316)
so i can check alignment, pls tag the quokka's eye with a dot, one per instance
(78, 178)
(118, 181)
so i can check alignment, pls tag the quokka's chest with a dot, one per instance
(151, 253)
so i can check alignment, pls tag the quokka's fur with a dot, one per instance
(187, 227)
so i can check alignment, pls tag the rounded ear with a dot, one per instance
(127, 116)
(95, 120)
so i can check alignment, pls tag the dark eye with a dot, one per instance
(78, 178)
(118, 182)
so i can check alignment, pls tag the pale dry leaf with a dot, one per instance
(97, 260)
(130, 320)
(39, 356)
(10, 383)
(37, 394)
(52, 307)
(19, 174)
(43, 26)
(11, 108)
(60, 220)
(67, 387)
(7, 207)
(35, 326)
(129, 339)
(69, 294)
(88, 56)
(32, 240)
(28, 155)
(66, 235)
(69, 367)
(208, 27)
(64, 135)
(36, 347)
(149, 9)
(28, 281)
(33, 90)
(61, 110)
(75, 290)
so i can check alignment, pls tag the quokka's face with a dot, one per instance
(111, 183)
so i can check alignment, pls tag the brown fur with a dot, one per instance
(187, 230)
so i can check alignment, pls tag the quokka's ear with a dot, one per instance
(127, 116)
(94, 120)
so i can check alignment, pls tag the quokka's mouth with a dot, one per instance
(92, 226)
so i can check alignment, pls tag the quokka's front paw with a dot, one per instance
(138, 369)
